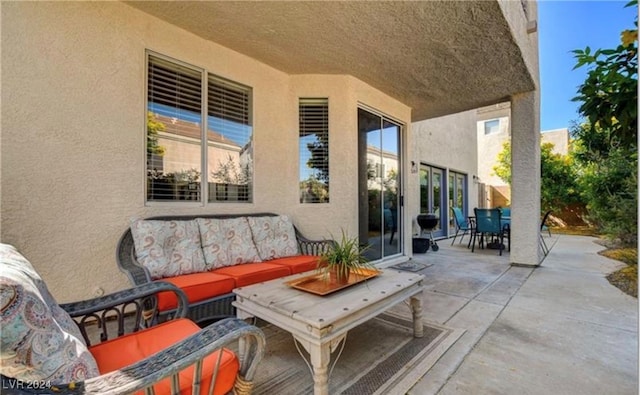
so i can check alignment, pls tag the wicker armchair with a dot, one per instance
(131, 314)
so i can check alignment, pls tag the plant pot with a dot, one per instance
(339, 276)
(420, 245)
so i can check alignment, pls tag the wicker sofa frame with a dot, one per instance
(133, 310)
(214, 308)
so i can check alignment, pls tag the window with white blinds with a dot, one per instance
(314, 150)
(230, 143)
(178, 98)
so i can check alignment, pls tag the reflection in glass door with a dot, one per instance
(457, 194)
(379, 185)
(432, 196)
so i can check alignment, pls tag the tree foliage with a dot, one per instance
(503, 168)
(609, 95)
(606, 145)
(153, 127)
(319, 157)
(559, 187)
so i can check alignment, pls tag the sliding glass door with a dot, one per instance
(379, 185)
(432, 196)
(457, 194)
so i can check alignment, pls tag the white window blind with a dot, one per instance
(229, 141)
(314, 150)
(174, 130)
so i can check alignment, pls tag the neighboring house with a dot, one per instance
(181, 162)
(559, 138)
(493, 130)
(315, 102)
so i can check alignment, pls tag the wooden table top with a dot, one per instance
(320, 311)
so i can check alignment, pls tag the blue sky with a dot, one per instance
(564, 26)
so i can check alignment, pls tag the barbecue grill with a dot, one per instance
(427, 223)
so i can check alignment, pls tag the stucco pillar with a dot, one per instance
(525, 179)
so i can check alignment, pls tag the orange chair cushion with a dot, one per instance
(120, 352)
(252, 273)
(298, 263)
(197, 286)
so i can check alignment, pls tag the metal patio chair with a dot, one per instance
(462, 224)
(488, 223)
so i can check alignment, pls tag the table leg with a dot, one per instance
(416, 309)
(320, 356)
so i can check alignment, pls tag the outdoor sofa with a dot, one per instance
(112, 345)
(208, 255)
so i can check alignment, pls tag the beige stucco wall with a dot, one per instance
(524, 28)
(490, 145)
(447, 142)
(345, 94)
(73, 154)
(559, 138)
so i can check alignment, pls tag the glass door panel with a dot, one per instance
(436, 180)
(379, 185)
(390, 155)
(374, 192)
(458, 193)
(452, 198)
(433, 196)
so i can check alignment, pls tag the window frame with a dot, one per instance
(497, 130)
(205, 77)
(310, 102)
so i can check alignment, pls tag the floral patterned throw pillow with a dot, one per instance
(40, 341)
(274, 236)
(168, 248)
(227, 242)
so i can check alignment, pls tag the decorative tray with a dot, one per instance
(320, 285)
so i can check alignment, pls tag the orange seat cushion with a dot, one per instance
(126, 350)
(298, 263)
(252, 273)
(197, 286)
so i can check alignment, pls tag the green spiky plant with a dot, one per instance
(343, 257)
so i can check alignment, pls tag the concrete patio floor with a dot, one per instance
(557, 329)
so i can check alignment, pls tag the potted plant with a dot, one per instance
(344, 257)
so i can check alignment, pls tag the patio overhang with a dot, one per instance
(437, 57)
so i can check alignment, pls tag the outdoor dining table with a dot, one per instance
(505, 225)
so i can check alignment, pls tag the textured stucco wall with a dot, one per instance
(525, 139)
(447, 142)
(489, 146)
(524, 28)
(73, 117)
(559, 138)
(525, 179)
(344, 93)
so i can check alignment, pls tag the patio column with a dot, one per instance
(525, 179)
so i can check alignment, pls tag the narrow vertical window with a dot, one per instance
(174, 131)
(229, 141)
(314, 150)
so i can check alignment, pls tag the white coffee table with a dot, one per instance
(320, 323)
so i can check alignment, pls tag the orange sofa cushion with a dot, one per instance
(126, 350)
(298, 263)
(197, 286)
(252, 273)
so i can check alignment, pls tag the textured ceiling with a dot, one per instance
(437, 57)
